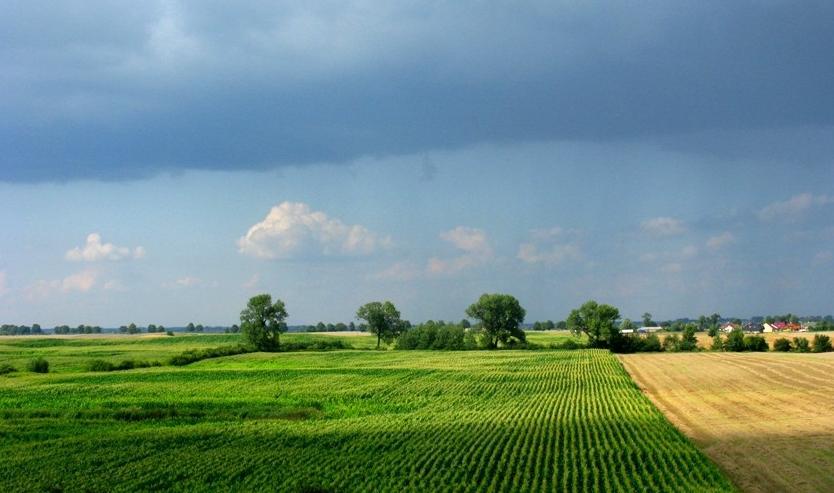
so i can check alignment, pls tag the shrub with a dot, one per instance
(671, 343)
(325, 345)
(6, 368)
(433, 336)
(568, 344)
(169, 333)
(192, 356)
(782, 344)
(821, 344)
(755, 343)
(38, 365)
(801, 345)
(652, 343)
(735, 341)
(688, 342)
(717, 343)
(99, 365)
(636, 344)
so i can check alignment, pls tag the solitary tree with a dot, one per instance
(647, 320)
(262, 322)
(382, 319)
(596, 321)
(501, 316)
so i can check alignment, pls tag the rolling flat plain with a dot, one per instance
(349, 420)
(767, 419)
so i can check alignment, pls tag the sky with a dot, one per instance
(164, 161)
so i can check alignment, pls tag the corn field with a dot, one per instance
(501, 421)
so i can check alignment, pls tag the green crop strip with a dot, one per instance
(503, 421)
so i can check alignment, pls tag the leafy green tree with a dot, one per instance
(500, 317)
(549, 325)
(596, 321)
(783, 344)
(647, 320)
(801, 345)
(689, 342)
(735, 341)
(383, 320)
(717, 342)
(672, 343)
(189, 327)
(465, 323)
(626, 325)
(537, 326)
(821, 344)
(562, 325)
(755, 343)
(262, 322)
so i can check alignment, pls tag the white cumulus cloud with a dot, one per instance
(793, 208)
(551, 247)
(472, 242)
(720, 241)
(80, 282)
(94, 250)
(663, 226)
(291, 229)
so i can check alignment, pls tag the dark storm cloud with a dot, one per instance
(116, 91)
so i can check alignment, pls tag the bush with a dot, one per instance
(99, 365)
(755, 343)
(38, 365)
(672, 343)
(433, 336)
(782, 344)
(129, 364)
(570, 344)
(688, 342)
(6, 368)
(169, 333)
(801, 345)
(717, 343)
(735, 341)
(821, 344)
(636, 344)
(192, 356)
(306, 346)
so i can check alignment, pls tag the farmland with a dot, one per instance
(336, 421)
(765, 418)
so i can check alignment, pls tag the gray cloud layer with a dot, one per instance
(110, 90)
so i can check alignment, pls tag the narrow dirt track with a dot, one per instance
(767, 419)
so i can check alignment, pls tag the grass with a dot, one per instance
(341, 421)
(765, 418)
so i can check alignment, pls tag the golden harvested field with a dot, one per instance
(767, 419)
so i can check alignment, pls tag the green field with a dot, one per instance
(336, 421)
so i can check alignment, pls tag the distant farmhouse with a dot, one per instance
(785, 327)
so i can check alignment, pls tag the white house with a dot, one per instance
(768, 327)
(650, 329)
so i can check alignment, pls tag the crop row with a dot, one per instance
(491, 422)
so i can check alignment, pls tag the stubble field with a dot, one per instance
(766, 418)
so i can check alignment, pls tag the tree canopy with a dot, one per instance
(500, 316)
(262, 322)
(597, 322)
(383, 319)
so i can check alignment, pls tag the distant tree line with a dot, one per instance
(20, 330)
(81, 329)
(330, 327)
